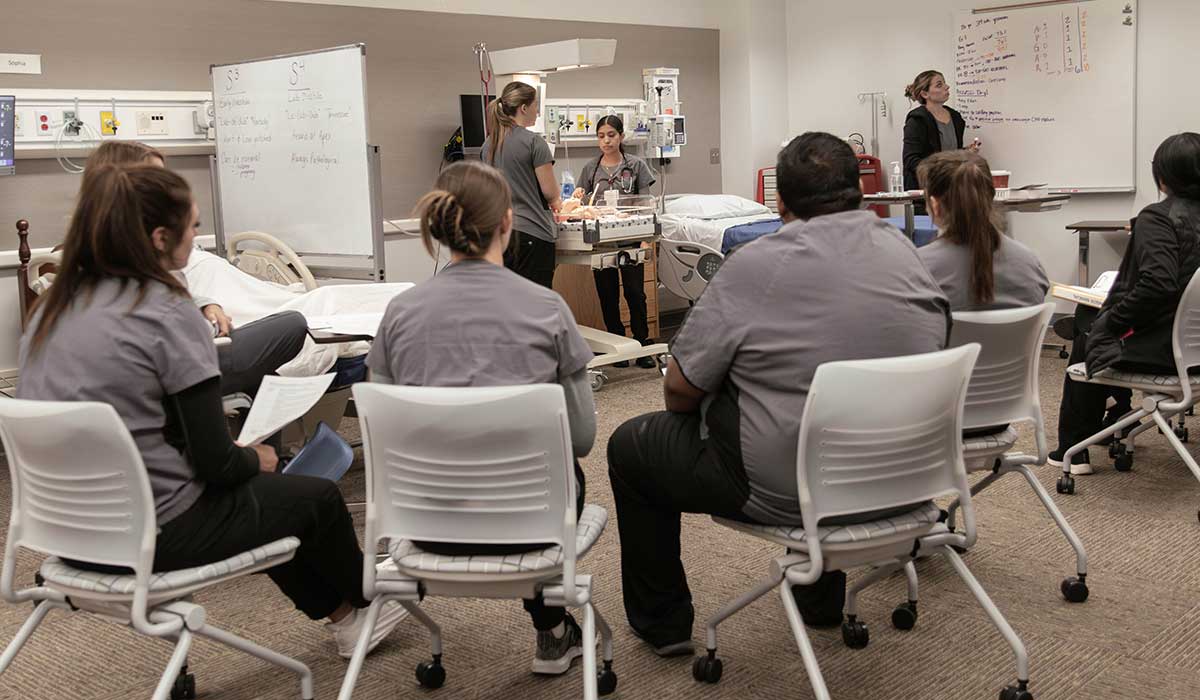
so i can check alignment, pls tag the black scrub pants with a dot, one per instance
(660, 468)
(258, 349)
(1081, 413)
(531, 258)
(608, 288)
(327, 568)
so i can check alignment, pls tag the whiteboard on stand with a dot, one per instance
(1050, 91)
(292, 156)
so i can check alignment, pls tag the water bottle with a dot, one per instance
(897, 177)
(568, 184)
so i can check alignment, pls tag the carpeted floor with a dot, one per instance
(1134, 637)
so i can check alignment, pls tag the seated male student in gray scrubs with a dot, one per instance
(477, 323)
(835, 283)
(977, 267)
(117, 327)
(258, 348)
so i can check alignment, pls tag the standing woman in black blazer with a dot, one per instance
(930, 127)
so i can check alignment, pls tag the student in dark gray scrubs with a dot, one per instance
(977, 267)
(835, 283)
(527, 164)
(118, 328)
(477, 323)
(614, 169)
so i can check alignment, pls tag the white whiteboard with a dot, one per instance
(1050, 91)
(292, 155)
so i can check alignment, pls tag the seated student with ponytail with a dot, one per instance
(117, 327)
(977, 267)
(477, 323)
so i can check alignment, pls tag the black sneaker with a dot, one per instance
(622, 364)
(555, 654)
(681, 648)
(1080, 462)
(646, 362)
(1110, 418)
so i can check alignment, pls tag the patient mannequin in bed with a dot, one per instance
(248, 301)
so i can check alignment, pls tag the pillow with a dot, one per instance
(714, 206)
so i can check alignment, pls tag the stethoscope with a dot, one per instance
(624, 175)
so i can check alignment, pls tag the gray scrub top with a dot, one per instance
(949, 136)
(845, 286)
(522, 153)
(1020, 279)
(632, 176)
(478, 324)
(104, 348)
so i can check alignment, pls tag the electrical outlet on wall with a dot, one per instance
(714, 156)
(42, 126)
(152, 124)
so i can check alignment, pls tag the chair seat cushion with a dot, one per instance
(58, 572)
(1141, 381)
(411, 558)
(920, 519)
(988, 444)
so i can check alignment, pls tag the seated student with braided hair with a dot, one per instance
(477, 323)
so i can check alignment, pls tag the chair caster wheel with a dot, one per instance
(185, 686)
(1123, 461)
(606, 680)
(1116, 449)
(1182, 434)
(855, 634)
(597, 380)
(431, 674)
(1013, 692)
(707, 669)
(1063, 354)
(1074, 589)
(904, 617)
(1066, 484)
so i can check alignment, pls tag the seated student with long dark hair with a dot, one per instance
(477, 323)
(1132, 330)
(117, 327)
(977, 266)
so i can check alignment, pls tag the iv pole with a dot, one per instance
(878, 106)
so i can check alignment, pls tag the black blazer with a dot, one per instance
(1163, 254)
(922, 139)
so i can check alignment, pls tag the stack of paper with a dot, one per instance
(1093, 296)
(281, 400)
(347, 324)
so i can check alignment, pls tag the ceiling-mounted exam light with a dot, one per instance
(555, 57)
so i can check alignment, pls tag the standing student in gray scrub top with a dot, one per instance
(527, 164)
(479, 324)
(117, 327)
(614, 169)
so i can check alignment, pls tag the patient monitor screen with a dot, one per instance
(7, 134)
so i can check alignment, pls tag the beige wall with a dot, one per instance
(417, 65)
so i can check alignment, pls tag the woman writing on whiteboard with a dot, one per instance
(527, 164)
(614, 169)
(931, 126)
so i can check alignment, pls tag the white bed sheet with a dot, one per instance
(708, 232)
(246, 298)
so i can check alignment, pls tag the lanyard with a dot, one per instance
(624, 175)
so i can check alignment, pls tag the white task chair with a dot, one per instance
(80, 492)
(484, 466)
(1164, 396)
(1004, 391)
(857, 458)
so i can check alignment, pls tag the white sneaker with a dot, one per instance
(346, 631)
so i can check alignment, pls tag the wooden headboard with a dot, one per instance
(30, 269)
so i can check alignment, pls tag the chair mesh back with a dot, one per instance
(79, 486)
(1186, 336)
(477, 465)
(1003, 386)
(859, 453)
